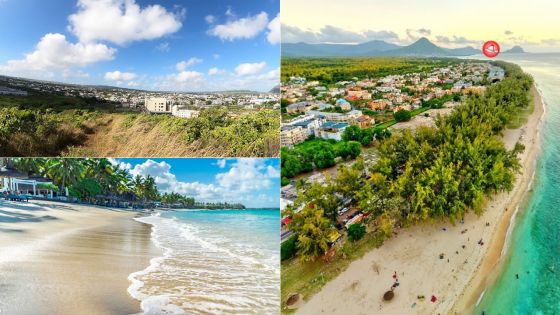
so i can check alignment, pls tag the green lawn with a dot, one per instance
(389, 123)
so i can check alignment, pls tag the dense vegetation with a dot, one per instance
(316, 153)
(98, 180)
(51, 125)
(331, 70)
(439, 172)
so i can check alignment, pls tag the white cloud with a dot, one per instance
(243, 182)
(165, 47)
(221, 163)
(122, 21)
(243, 28)
(334, 34)
(215, 71)
(120, 164)
(216, 56)
(133, 84)
(54, 52)
(250, 68)
(229, 12)
(183, 65)
(271, 75)
(274, 32)
(245, 175)
(120, 76)
(185, 76)
(210, 19)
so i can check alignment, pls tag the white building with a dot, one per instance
(292, 135)
(158, 105)
(183, 113)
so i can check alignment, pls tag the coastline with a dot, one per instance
(60, 258)
(457, 279)
(476, 286)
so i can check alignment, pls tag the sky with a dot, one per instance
(169, 45)
(254, 182)
(532, 24)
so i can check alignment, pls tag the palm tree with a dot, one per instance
(30, 165)
(66, 171)
(102, 170)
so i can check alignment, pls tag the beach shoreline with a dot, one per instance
(497, 249)
(59, 258)
(449, 262)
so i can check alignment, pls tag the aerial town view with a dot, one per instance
(408, 167)
(80, 88)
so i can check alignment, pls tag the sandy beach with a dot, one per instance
(437, 259)
(59, 258)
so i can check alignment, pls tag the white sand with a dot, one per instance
(456, 280)
(69, 259)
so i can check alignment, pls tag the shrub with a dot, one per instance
(356, 231)
(288, 248)
(403, 115)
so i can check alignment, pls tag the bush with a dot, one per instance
(356, 231)
(288, 248)
(403, 115)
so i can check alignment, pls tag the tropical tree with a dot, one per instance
(64, 171)
(313, 231)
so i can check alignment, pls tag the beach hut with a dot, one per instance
(11, 180)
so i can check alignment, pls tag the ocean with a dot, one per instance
(528, 281)
(214, 262)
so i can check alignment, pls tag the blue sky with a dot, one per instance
(182, 45)
(254, 182)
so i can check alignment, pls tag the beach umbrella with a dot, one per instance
(389, 295)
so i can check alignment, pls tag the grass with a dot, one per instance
(389, 123)
(307, 278)
(522, 116)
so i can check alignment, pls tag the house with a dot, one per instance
(310, 124)
(496, 74)
(343, 104)
(356, 92)
(292, 135)
(158, 105)
(15, 182)
(378, 104)
(401, 107)
(301, 107)
(183, 113)
(332, 130)
(365, 122)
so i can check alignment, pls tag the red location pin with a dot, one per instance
(491, 49)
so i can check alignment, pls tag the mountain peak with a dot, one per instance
(423, 39)
(515, 50)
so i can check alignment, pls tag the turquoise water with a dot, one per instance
(214, 261)
(534, 250)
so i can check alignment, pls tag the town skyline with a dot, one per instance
(451, 25)
(189, 46)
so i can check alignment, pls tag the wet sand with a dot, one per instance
(69, 259)
(456, 279)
